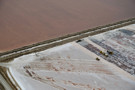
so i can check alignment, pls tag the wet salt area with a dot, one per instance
(127, 32)
(116, 58)
(121, 42)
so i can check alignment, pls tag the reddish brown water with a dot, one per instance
(24, 22)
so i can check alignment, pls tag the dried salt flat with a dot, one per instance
(68, 67)
(121, 42)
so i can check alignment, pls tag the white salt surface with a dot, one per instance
(68, 67)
